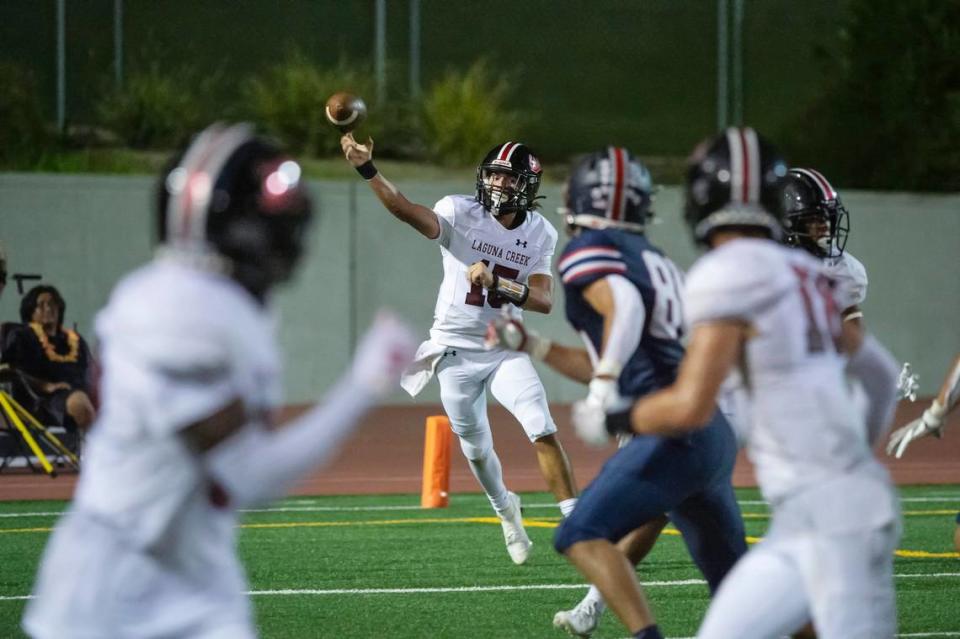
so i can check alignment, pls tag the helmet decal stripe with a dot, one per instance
(616, 205)
(181, 205)
(752, 155)
(827, 190)
(737, 179)
(202, 179)
(506, 151)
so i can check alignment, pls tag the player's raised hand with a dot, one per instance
(908, 383)
(355, 152)
(478, 273)
(383, 353)
(930, 423)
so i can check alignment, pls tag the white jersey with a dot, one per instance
(177, 344)
(851, 278)
(468, 234)
(803, 428)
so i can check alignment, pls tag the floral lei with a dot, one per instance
(73, 342)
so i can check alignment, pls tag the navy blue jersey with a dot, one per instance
(594, 254)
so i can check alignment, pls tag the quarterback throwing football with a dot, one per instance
(496, 250)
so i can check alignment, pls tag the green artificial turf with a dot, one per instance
(377, 566)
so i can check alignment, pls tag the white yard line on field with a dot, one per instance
(306, 506)
(289, 592)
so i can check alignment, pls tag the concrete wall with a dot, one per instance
(83, 232)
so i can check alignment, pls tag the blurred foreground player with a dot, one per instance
(772, 312)
(190, 386)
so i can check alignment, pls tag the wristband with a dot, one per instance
(515, 292)
(367, 170)
(937, 411)
(608, 368)
(619, 422)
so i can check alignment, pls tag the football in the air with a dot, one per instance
(345, 111)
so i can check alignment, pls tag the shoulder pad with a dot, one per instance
(736, 281)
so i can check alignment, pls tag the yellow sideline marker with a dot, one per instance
(436, 463)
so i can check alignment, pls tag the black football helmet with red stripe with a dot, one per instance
(234, 202)
(514, 159)
(815, 218)
(608, 189)
(735, 180)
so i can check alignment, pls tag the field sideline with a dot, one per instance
(379, 566)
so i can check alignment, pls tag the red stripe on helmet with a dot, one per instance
(616, 209)
(193, 173)
(745, 189)
(506, 150)
(829, 193)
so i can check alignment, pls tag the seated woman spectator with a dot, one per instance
(54, 362)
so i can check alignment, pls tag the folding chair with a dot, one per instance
(25, 436)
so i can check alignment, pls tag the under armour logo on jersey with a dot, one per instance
(522, 243)
(451, 353)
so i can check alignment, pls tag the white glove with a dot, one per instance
(908, 383)
(603, 392)
(383, 353)
(930, 423)
(509, 332)
(590, 421)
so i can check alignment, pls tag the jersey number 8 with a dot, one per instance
(667, 321)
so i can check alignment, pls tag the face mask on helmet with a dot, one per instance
(235, 203)
(508, 179)
(608, 189)
(734, 181)
(816, 219)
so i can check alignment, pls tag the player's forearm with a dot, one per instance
(573, 363)
(419, 217)
(949, 395)
(877, 370)
(539, 301)
(691, 401)
(672, 411)
(259, 465)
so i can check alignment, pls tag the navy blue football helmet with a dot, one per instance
(608, 189)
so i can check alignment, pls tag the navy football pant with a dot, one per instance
(688, 478)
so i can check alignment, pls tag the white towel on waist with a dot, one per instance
(423, 367)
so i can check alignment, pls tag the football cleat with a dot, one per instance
(511, 520)
(582, 620)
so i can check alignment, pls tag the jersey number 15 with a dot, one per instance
(475, 296)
